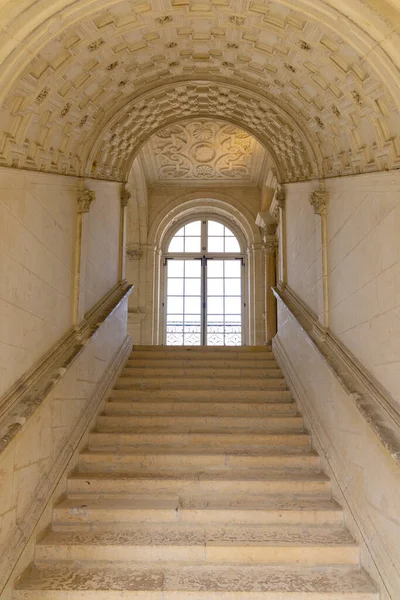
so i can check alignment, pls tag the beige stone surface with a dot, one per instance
(366, 478)
(219, 514)
(37, 229)
(37, 457)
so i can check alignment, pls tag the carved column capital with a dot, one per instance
(125, 195)
(270, 246)
(319, 200)
(85, 198)
(280, 198)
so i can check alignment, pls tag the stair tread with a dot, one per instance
(201, 502)
(218, 474)
(193, 430)
(165, 534)
(203, 578)
(194, 451)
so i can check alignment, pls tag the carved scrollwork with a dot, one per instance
(134, 253)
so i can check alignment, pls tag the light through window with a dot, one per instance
(204, 291)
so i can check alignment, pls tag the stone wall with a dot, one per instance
(363, 225)
(56, 362)
(301, 244)
(38, 215)
(37, 242)
(102, 242)
(359, 444)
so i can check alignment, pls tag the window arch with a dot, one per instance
(203, 300)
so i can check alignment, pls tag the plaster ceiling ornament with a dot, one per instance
(310, 91)
(203, 150)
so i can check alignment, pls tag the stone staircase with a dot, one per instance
(199, 483)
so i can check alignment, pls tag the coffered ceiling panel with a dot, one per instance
(88, 101)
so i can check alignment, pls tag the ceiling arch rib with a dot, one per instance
(53, 115)
(122, 138)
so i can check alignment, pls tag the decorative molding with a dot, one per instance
(85, 198)
(21, 535)
(203, 151)
(370, 398)
(277, 204)
(30, 390)
(125, 196)
(134, 253)
(270, 246)
(319, 201)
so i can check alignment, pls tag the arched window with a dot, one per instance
(204, 285)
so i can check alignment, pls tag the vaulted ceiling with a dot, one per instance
(311, 86)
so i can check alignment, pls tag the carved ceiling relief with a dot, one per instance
(78, 82)
(203, 150)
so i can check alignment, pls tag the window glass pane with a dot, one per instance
(233, 287)
(228, 232)
(233, 319)
(215, 268)
(192, 305)
(174, 305)
(215, 244)
(215, 228)
(232, 306)
(175, 287)
(232, 268)
(192, 339)
(215, 339)
(192, 244)
(215, 287)
(175, 268)
(193, 228)
(176, 245)
(174, 321)
(180, 232)
(214, 320)
(231, 245)
(192, 268)
(215, 306)
(192, 287)
(192, 320)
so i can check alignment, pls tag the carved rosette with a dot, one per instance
(319, 201)
(85, 198)
(125, 195)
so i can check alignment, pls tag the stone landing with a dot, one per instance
(199, 483)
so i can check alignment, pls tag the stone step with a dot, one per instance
(216, 409)
(232, 372)
(119, 462)
(202, 361)
(259, 383)
(232, 509)
(245, 544)
(206, 394)
(181, 581)
(180, 481)
(198, 353)
(196, 423)
(202, 440)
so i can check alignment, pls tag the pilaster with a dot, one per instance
(125, 196)
(85, 197)
(319, 201)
